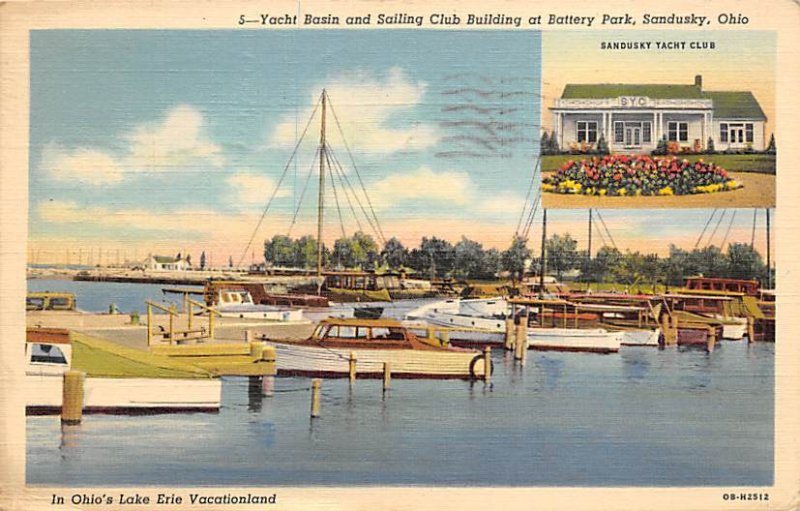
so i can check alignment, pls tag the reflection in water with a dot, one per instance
(635, 364)
(70, 438)
(551, 369)
(254, 395)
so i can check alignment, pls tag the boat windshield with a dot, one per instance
(47, 354)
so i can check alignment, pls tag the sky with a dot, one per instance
(145, 141)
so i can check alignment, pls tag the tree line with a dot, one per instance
(467, 259)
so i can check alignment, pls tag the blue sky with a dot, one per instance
(177, 138)
(165, 141)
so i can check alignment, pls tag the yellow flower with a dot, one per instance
(665, 191)
(602, 192)
(623, 191)
(732, 185)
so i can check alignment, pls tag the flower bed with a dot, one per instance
(621, 175)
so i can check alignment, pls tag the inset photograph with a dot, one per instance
(629, 122)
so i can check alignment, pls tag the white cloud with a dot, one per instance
(451, 187)
(502, 203)
(176, 142)
(83, 165)
(364, 104)
(252, 189)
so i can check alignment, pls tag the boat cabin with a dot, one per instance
(50, 301)
(47, 351)
(234, 297)
(748, 287)
(365, 333)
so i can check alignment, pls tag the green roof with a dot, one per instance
(165, 259)
(727, 104)
(735, 105)
(614, 90)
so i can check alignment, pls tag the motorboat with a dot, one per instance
(373, 342)
(132, 381)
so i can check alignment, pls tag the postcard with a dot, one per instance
(398, 255)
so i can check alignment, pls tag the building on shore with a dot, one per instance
(165, 263)
(634, 117)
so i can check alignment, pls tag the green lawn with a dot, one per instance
(761, 163)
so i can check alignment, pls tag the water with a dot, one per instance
(642, 417)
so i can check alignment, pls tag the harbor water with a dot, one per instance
(641, 417)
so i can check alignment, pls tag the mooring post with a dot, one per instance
(509, 340)
(751, 330)
(387, 376)
(316, 385)
(257, 350)
(431, 333)
(149, 324)
(72, 398)
(520, 342)
(248, 336)
(711, 339)
(352, 362)
(269, 356)
(444, 338)
(487, 364)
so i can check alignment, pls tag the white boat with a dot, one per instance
(642, 337)
(596, 340)
(482, 327)
(239, 304)
(373, 342)
(733, 328)
(49, 356)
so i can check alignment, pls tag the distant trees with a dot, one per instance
(203, 260)
(468, 259)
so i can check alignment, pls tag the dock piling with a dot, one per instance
(509, 339)
(248, 336)
(72, 398)
(751, 332)
(387, 376)
(487, 364)
(316, 385)
(521, 339)
(352, 362)
(444, 338)
(257, 350)
(711, 339)
(268, 386)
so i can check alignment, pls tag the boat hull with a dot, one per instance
(295, 359)
(125, 395)
(569, 339)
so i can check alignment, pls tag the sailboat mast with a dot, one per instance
(769, 260)
(321, 201)
(590, 235)
(544, 253)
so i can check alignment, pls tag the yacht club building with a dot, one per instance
(634, 117)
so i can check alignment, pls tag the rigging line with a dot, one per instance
(377, 231)
(527, 196)
(303, 193)
(355, 167)
(700, 238)
(610, 237)
(753, 234)
(730, 224)
(526, 231)
(347, 197)
(529, 214)
(600, 232)
(336, 197)
(280, 181)
(724, 212)
(342, 173)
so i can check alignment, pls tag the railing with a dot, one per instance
(189, 333)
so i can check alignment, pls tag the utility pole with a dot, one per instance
(544, 253)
